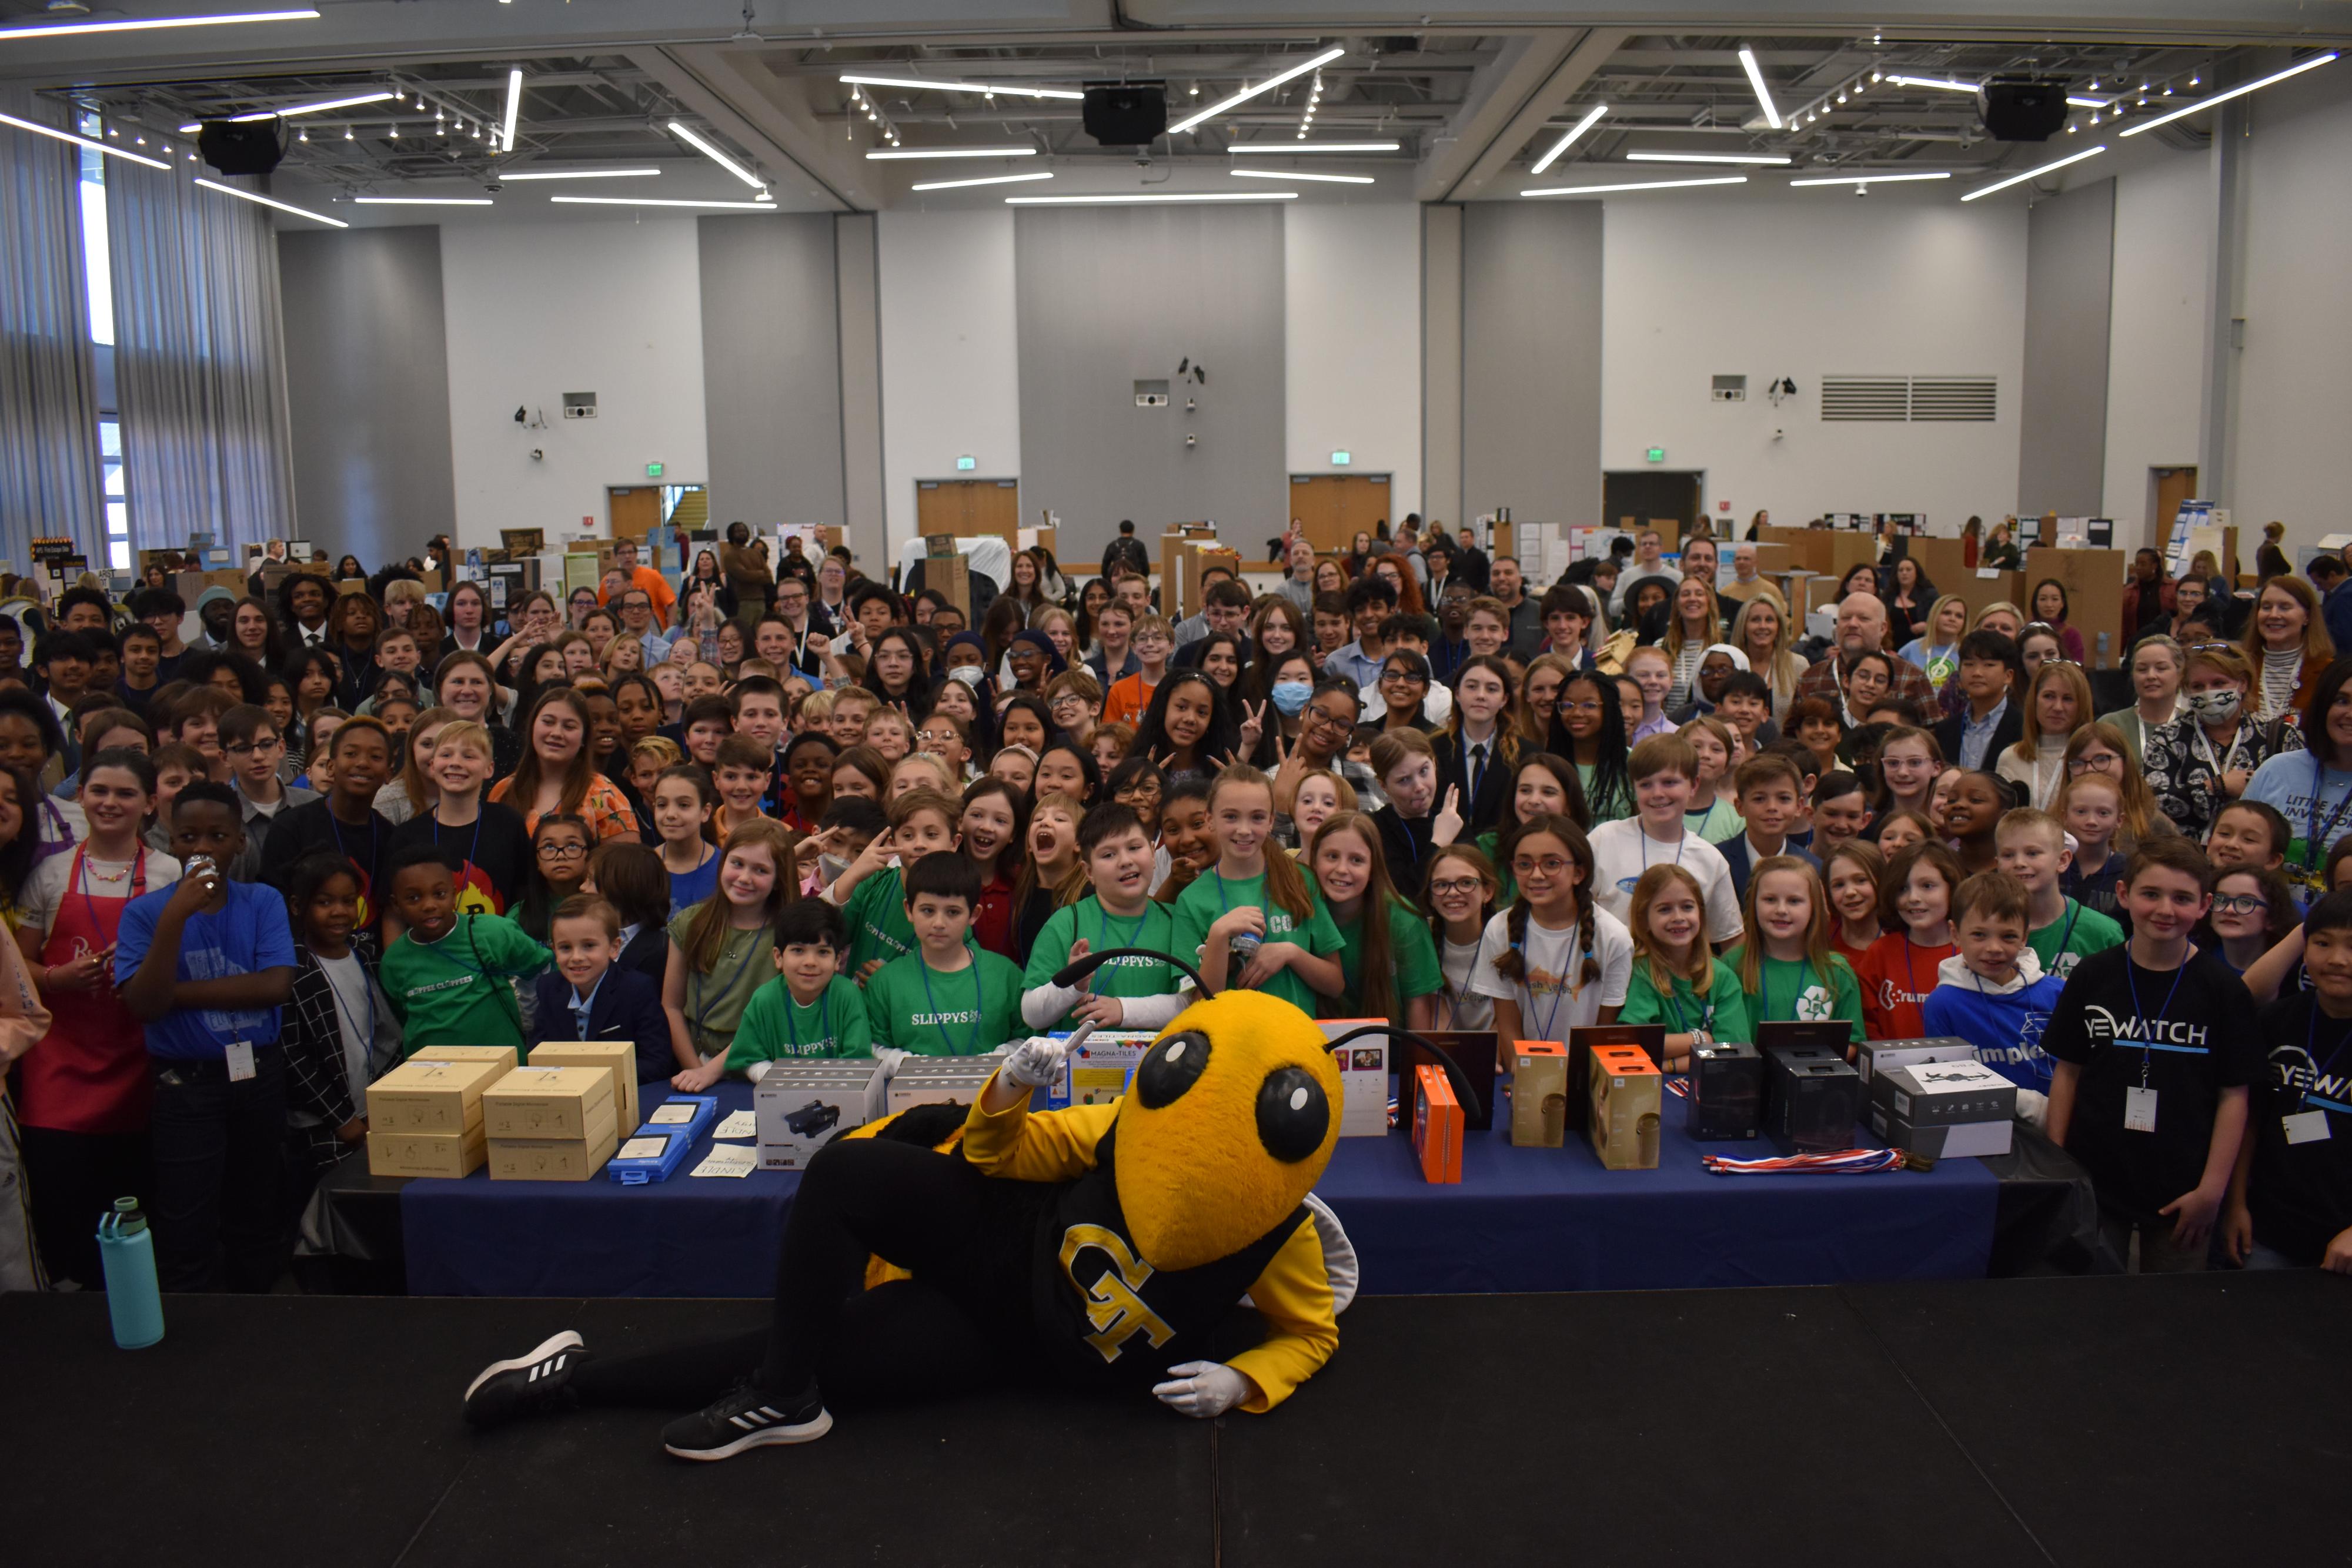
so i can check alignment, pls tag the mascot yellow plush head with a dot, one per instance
(1230, 1120)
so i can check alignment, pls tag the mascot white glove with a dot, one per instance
(1201, 1388)
(1036, 1062)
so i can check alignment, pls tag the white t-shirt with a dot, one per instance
(1622, 852)
(1552, 995)
(52, 883)
(1463, 1007)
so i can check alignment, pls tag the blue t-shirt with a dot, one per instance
(688, 888)
(249, 935)
(2005, 1027)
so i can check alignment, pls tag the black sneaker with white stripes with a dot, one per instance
(537, 1383)
(747, 1418)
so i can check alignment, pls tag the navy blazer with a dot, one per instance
(1483, 811)
(627, 1007)
(2008, 732)
(1735, 856)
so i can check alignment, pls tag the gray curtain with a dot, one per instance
(48, 397)
(199, 362)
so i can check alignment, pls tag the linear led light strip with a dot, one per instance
(1591, 118)
(1268, 85)
(1294, 174)
(514, 107)
(55, 134)
(1283, 148)
(266, 202)
(62, 29)
(1702, 158)
(1940, 84)
(1756, 80)
(578, 173)
(980, 87)
(422, 201)
(710, 150)
(2034, 174)
(1151, 200)
(2238, 91)
(292, 110)
(657, 202)
(1644, 185)
(1872, 178)
(989, 180)
(882, 153)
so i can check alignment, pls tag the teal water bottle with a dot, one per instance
(132, 1298)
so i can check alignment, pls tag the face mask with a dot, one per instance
(969, 675)
(2214, 706)
(831, 868)
(1289, 696)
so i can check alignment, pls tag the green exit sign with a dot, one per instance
(1657, 455)
(964, 464)
(1341, 459)
(653, 470)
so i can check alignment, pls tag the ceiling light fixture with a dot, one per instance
(1940, 84)
(1645, 185)
(956, 152)
(2238, 92)
(919, 85)
(422, 201)
(577, 173)
(93, 144)
(1756, 80)
(2034, 173)
(1268, 85)
(1870, 179)
(1293, 174)
(148, 24)
(990, 180)
(2079, 101)
(514, 107)
(1703, 158)
(1591, 118)
(1153, 199)
(657, 202)
(686, 134)
(266, 202)
(1284, 150)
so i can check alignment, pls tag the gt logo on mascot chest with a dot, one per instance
(1113, 1306)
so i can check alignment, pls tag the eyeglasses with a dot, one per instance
(1588, 705)
(2102, 763)
(2239, 904)
(247, 749)
(1401, 675)
(1137, 787)
(562, 852)
(1551, 866)
(1318, 715)
(1469, 884)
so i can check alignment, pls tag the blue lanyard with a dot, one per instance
(1557, 997)
(1764, 980)
(1680, 844)
(791, 1012)
(2315, 843)
(2073, 912)
(979, 1006)
(1135, 932)
(2311, 1041)
(479, 814)
(367, 988)
(2131, 980)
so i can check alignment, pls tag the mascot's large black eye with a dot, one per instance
(1171, 1067)
(1292, 1115)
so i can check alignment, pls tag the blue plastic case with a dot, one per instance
(641, 1170)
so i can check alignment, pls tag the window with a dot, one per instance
(98, 270)
(118, 510)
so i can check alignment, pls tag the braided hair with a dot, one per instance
(1511, 963)
(1611, 795)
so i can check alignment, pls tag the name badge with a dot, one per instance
(238, 1053)
(2306, 1127)
(2139, 1110)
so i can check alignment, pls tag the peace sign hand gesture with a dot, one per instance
(1253, 726)
(1448, 826)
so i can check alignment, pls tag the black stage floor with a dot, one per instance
(2145, 1421)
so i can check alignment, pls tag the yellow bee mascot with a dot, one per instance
(1102, 1246)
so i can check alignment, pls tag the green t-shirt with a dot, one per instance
(1720, 821)
(1609, 810)
(715, 999)
(1490, 844)
(775, 1027)
(1412, 958)
(2072, 938)
(1088, 921)
(1722, 1013)
(1205, 903)
(457, 991)
(876, 916)
(919, 1009)
(1798, 993)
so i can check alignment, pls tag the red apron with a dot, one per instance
(89, 1074)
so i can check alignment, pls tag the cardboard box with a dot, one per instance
(1582, 1041)
(431, 1096)
(1363, 1067)
(915, 1085)
(1538, 1094)
(550, 1103)
(504, 1055)
(554, 1159)
(1437, 1127)
(1727, 1092)
(1624, 1093)
(1812, 1098)
(1097, 1072)
(1874, 1057)
(1944, 1109)
(616, 1057)
(450, 1154)
(802, 1106)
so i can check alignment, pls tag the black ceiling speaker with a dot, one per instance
(2023, 109)
(252, 148)
(1127, 114)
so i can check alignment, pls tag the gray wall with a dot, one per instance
(2070, 242)
(857, 266)
(1531, 361)
(367, 379)
(1441, 362)
(1111, 296)
(772, 369)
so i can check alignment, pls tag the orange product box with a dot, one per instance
(1624, 1091)
(1437, 1127)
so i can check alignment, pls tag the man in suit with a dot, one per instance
(1472, 562)
(1991, 672)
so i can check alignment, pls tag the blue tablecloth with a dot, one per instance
(1553, 1219)
(1521, 1219)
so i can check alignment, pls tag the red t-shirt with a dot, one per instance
(991, 919)
(1897, 975)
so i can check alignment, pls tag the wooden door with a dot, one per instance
(1335, 508)
(969, 507)
(2171, 486)
(636, 510)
